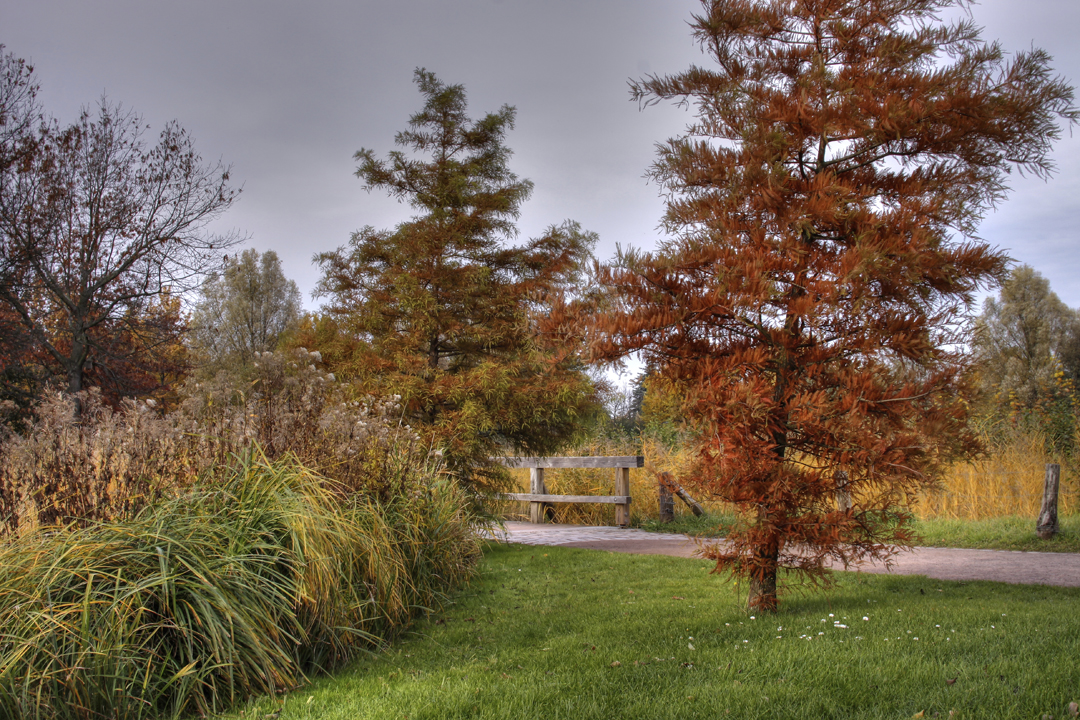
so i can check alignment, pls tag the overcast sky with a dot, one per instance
(287, 92)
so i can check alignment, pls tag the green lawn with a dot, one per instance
(567, 633)
(1006, 533)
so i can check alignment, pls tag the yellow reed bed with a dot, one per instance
(1008, 481)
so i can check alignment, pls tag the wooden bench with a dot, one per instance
(539, 499)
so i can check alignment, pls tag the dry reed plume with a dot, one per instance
(107, 464)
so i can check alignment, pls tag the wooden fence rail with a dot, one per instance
(539, 499)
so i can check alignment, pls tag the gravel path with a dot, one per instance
(1024, 568)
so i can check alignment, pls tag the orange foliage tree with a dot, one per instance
(442, 310)
(822, 211)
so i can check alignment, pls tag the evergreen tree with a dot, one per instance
(443, 310)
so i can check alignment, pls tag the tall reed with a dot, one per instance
(1006, 481)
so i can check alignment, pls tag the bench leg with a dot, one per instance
(536, 509)
(622, 487)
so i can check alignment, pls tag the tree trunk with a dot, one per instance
(74, 366)
(763, 580)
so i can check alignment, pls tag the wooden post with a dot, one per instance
(694, 505)
(1047, 525)
(622, 487)
(667, 500)
(537, 509)
(843, 495)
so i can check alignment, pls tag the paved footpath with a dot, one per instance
(1025, 568)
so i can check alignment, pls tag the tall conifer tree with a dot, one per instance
(823, 210)
(443, 310)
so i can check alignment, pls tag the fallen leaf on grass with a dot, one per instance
(921, 713)
(676, 597)
(1074, 709)
(616, 664)
(951, 682)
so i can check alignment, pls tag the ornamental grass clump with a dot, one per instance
(260, 574)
